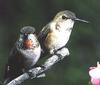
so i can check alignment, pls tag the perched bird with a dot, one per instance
(56, 34)
(24, 54)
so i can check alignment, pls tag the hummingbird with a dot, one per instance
(56, 33)
(24, 55)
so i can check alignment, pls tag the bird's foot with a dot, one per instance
(63, 52)
(52, 51)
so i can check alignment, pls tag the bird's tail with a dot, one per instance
(1, 82)
(5, 81)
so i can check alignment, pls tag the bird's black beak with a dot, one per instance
(81, 20)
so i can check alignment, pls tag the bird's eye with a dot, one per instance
(64, 17)
(25, 34)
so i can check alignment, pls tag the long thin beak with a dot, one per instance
(81, 20)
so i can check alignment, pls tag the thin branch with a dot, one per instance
(39, 71)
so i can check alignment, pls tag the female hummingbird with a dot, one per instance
(56, 33)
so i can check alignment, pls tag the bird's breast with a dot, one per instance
(31, 56)
(57, 39)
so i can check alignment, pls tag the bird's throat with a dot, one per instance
(28, 44)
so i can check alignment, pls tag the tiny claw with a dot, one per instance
(52, 51)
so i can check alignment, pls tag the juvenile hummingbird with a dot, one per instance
(24, 54)
(56, 34)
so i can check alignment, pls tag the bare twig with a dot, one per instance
(39, 71)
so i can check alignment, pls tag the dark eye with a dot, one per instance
(64, 17)
(25, 34)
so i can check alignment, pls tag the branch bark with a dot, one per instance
(39, 71)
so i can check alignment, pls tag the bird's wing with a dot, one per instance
(42, 36)
(43, 33)
(11, 69)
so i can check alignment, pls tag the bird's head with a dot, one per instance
(27, 38)
(65, 19)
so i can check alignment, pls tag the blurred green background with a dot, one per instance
(84, 44)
